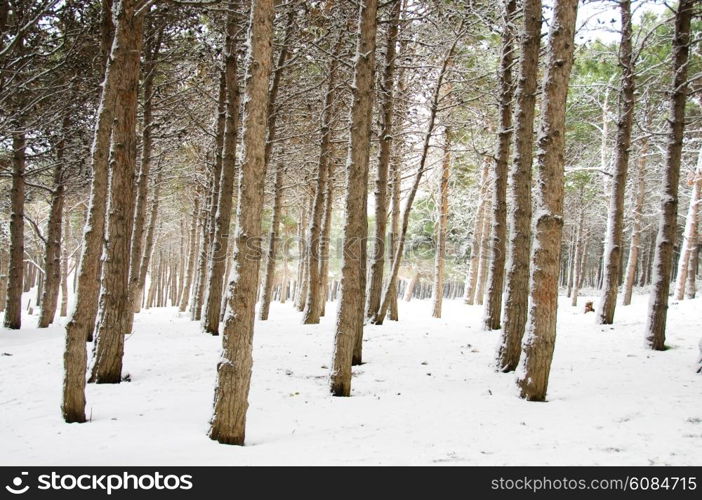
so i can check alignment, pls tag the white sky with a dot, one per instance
(595, 17)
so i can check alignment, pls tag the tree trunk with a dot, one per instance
(484, 256)
(381, 182)
(234, 367)
(13, 304)
(325, 242)
(476, 243)
(272, 243)
(349, 323)
(312, 309)
(80, 327)
(52, 255)
(540, 339)
(137, 242)
(615, 218)
(692, 272)
(393, 312)
(206, 230)
(82, 322)
(301, 281)
(493, 307)
(689, 245)
(665, 240)
(149, 244)
(635, 245)
(442, 226)
(115, 309)
(64, 266)
(222, 221)
(578, 256)
(519, 186)
(185, 293)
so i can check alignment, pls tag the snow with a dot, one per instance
(427, 395)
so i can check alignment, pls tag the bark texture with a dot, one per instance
(665, 239)
(496, 276)
(13, 301)
(228, 423)
(441, 226)
(519, 192)
(615, 220)
(540, 339)
(375, 285)
(115, 309)
(222, 220)
(349, 322)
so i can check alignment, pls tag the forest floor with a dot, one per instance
(427, 394)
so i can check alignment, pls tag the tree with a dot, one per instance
(228, 423)
(82, 321)
(667, 223)
(519, 195)
(615, 219)
(375, 284)
(313, 308)
(13, 305)
(222, 218)
(541, 335)
(349, 322)
(115, 309)
(441, 226)
(493, 306)
(686, 263)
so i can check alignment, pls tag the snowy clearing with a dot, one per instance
(427, 394)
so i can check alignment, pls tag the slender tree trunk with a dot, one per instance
(635, 245)
(476, 243)
(115, 310)
(349, 323)
(301, 281)
(571, 262)
(137, 242)
(381, 182)
(540, 339)
(312, 309)
(663, 257)
(204, 250)
(519, 193)
(228, 421)
(324, 243)
(441, 227)
(82, 322)
(579, 257)
(272, 243)
(222, 221)
(64, 266)
(3, 278)
(615, 219)
(80, 327)
(52, 255)
(690, 234)
(13, 304)
(185, 293)
(493, 306)
(691, 290)
(484, 256)
(393, 312)
(149, 244)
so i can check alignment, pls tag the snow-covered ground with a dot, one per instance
(426, 395)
